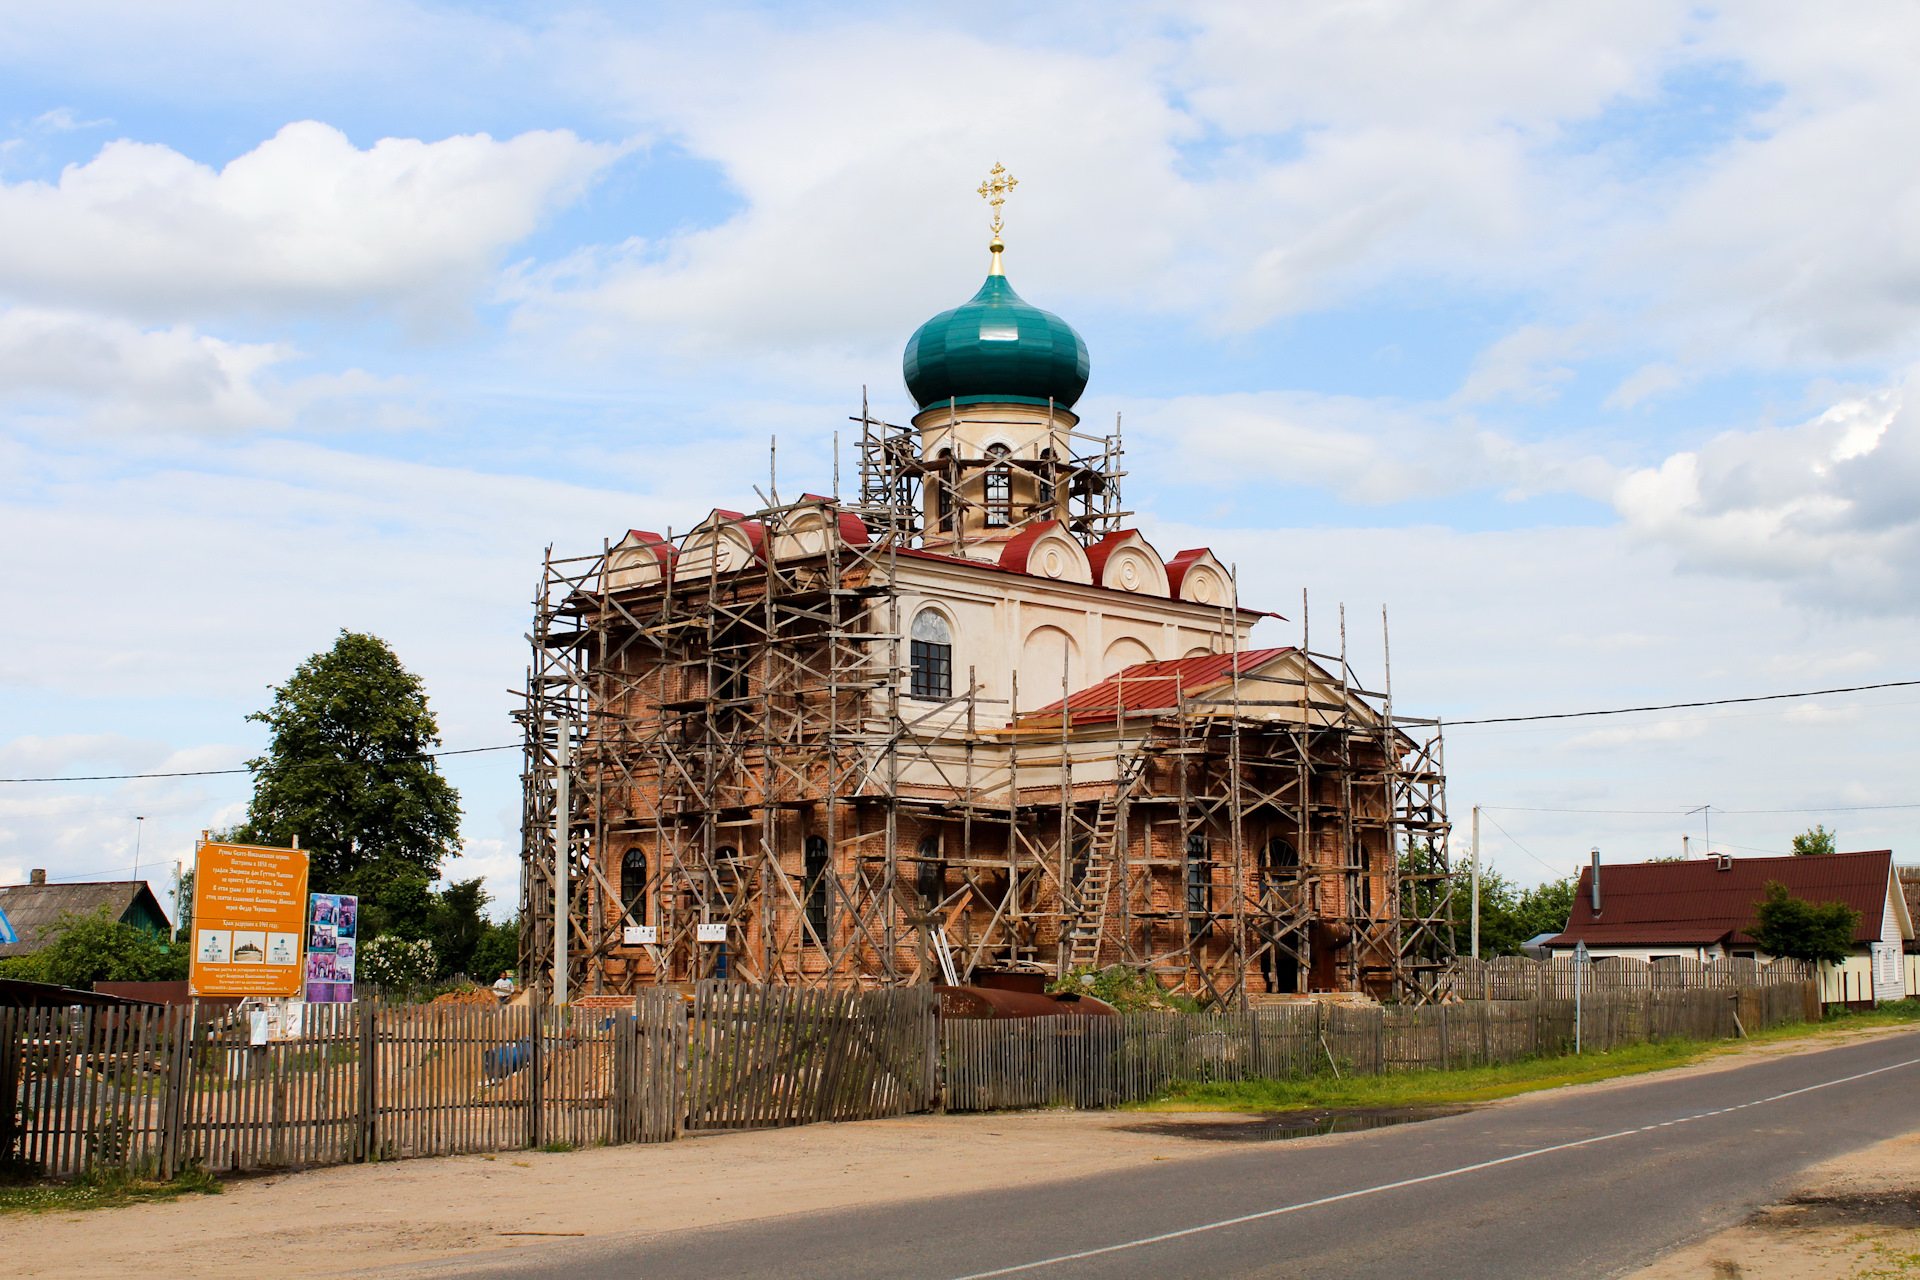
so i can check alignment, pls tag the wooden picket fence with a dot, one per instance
(759, 1057)
(1102, 1062)
(1519, 978)
(156, 1089)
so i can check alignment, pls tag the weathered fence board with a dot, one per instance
(1076, 1061)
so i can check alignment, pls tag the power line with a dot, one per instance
(208, 773)
(1681, 813)
(1676, 706)
(1516, 844)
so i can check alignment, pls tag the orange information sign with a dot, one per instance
(249, 912)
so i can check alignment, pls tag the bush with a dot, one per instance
(395, 963)
(84, 950)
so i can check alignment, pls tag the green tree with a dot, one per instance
(85, 949)
(347, 772)
(496, 952)
(456, 927)
(1788, 926)
(1545, 907)
(1816, 840)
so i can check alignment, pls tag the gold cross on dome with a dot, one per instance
(994, 191)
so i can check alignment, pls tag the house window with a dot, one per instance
(931, 879)
(999, 488)
(930, 656)
(816, 888)
(633, 884)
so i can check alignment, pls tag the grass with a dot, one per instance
(1486, 1084)
(101, 1189)
(555, 1146)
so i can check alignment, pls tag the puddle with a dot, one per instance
(1293, 1124)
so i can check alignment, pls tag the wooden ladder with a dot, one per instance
(1089, 898)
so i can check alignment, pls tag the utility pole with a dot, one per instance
(562, 804)
(139, 825)
(1476, 883)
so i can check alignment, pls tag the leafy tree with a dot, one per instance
(1545, 907)
(86, 949)
(1788, 926)
(1817, 840)
(456, 927)
(497, 951)
(346, 771)
(1509, 915)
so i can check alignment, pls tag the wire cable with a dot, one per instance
(1676, 706)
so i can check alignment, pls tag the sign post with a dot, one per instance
(249, 906)
(1580, 960)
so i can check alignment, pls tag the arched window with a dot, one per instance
(726, 862)
(930, 656)
(931, 879)
(1280, 857)
(947, 480)
(1045, 500)
(817, 868)
(999, 487)
(633, 884)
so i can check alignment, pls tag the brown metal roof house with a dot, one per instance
(1701, 909)
(31, 908)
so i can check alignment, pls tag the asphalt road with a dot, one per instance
(1581, 1184)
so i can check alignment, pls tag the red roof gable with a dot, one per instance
(1698, 903)
(1155, 686)
(1014, 555)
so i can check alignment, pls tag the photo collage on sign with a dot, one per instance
(332, 933)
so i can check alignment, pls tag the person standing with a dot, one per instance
(503, 987)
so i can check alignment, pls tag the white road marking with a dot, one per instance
(1414, 1182)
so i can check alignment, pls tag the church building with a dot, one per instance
(967, 722)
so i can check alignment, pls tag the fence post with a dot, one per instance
(536, 1062)
(369, 1076)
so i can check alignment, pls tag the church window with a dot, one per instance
(999, 488)
(633, 884)
(931, 880)
(947, 480)
(1045, 502)
(930, 656)
(1199, 885)
(816, 888)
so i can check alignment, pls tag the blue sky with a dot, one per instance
(1578, 340)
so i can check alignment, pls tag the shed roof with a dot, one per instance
(1712, 901)
(31, 908)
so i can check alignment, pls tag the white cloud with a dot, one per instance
(119, 376)
(305, 221)
(1824, 508)
(1365, 450)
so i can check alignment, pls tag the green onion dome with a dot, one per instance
(996, 348)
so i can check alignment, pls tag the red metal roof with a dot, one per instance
(1149, 686)
(1014, 555)
(1657, 903)
(916, 553)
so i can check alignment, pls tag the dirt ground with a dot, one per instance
(1856, 1217)
(355, 1217)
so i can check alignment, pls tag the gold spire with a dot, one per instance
(994, 191)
